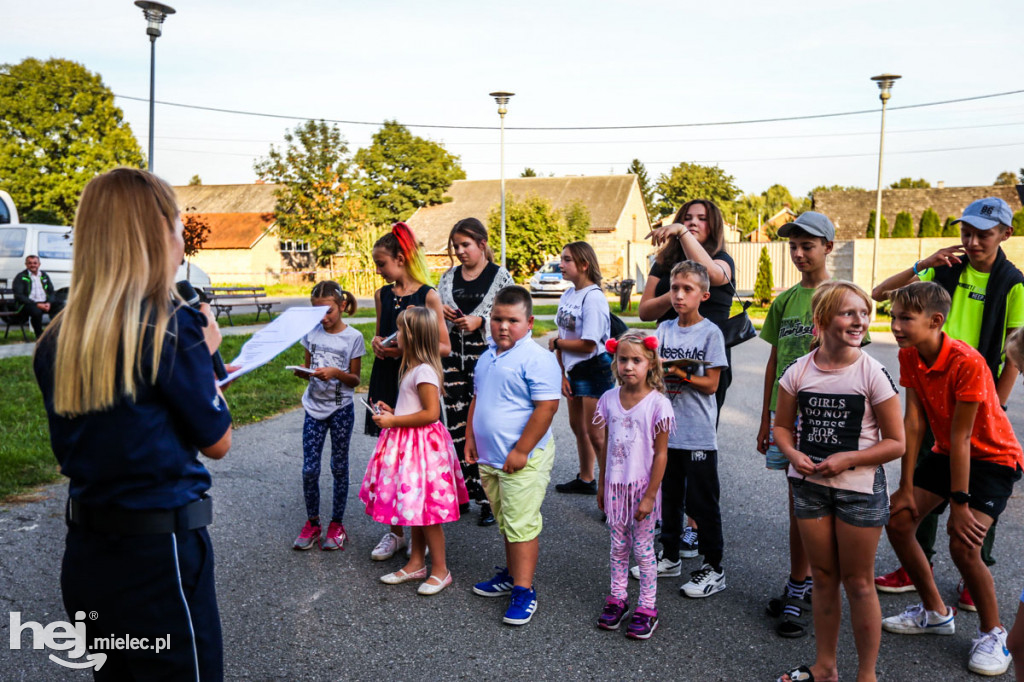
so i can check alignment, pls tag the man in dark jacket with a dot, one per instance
(34, 294)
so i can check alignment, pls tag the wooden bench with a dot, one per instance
(8, 315)
(224, 299)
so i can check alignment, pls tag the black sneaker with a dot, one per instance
(578, 486)
(688, 549)
(486, 516)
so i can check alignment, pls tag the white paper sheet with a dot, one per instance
(275, 338)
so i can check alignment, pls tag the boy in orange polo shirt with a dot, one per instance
(973, 465)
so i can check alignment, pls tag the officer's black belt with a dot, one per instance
(120, 521)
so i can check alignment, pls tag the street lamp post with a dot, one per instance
(885, 83)
(155, 14)
(502, 99)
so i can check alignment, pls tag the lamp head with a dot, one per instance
(502, 98)
(885, 83)
(155, 14)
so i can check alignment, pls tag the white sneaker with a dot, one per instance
(666, 568)
(388, 545)
(916, 620)
(704, 583)
(989, 655)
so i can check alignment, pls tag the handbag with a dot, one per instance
(738, 328)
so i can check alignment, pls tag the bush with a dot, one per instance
(930, 225)
(949, 229)
(1018, 221)
(904, 225)
(871, 226)
(764, 284)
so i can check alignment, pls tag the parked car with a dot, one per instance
(8, 212)
(548, 280)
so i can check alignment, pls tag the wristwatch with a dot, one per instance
(960, 497)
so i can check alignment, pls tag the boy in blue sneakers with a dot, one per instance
(517, 388)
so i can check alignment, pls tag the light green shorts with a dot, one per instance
(516, 498)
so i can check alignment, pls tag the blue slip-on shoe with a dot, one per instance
(498, 586)
(521, 606)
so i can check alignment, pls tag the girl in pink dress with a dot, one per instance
(414, 478)
(637, 419)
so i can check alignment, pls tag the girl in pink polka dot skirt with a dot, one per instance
(414, 478)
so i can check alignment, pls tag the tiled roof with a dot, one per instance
(235, 230)
(604, 195)
(251, 198)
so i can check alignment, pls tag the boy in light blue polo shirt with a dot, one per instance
(517, 388)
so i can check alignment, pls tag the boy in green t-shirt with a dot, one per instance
(788, 328)
(988, 303)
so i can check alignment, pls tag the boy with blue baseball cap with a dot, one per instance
(987, 293)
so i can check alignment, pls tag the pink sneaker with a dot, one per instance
(308, 536)
(335, 538)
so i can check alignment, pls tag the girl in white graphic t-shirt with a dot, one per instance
(850, 424)
(584, 324)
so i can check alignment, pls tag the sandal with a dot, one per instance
(795, 625)
(798, 674)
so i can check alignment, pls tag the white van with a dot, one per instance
(52, 243)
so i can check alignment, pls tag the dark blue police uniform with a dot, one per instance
(137, 552)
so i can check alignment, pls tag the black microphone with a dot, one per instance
(193, 299)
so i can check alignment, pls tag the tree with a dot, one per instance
(646, 191)
(1018, 221)
(535, 230)
(904, 225)
(949, 229)
(195, 180)
(528, 173)
(692, 181)
(1006, 178)
(401, 172)
(908, 183)
(764, 283)
(930, 225)
(833, 188)
(316, 203)
(871, 227)
(197, 230)
(58, 129)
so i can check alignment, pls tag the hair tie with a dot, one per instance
(651, 342)
(610, 345)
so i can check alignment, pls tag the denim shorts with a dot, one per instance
(592, 378)
(814, 501)
(773, 458)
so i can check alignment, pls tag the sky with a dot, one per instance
(571, 64)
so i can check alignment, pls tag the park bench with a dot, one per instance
(224, 299)
(8, 315)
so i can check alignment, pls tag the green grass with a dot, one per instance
(25, 456)
(26, 460)
(542, 327)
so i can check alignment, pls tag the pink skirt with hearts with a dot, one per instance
(414, 478)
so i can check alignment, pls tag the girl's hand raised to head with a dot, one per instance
(660, 235)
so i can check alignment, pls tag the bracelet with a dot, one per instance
(555, 344)
(914, 268)
(1004, 407)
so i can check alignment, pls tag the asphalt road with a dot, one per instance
(321, 615)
